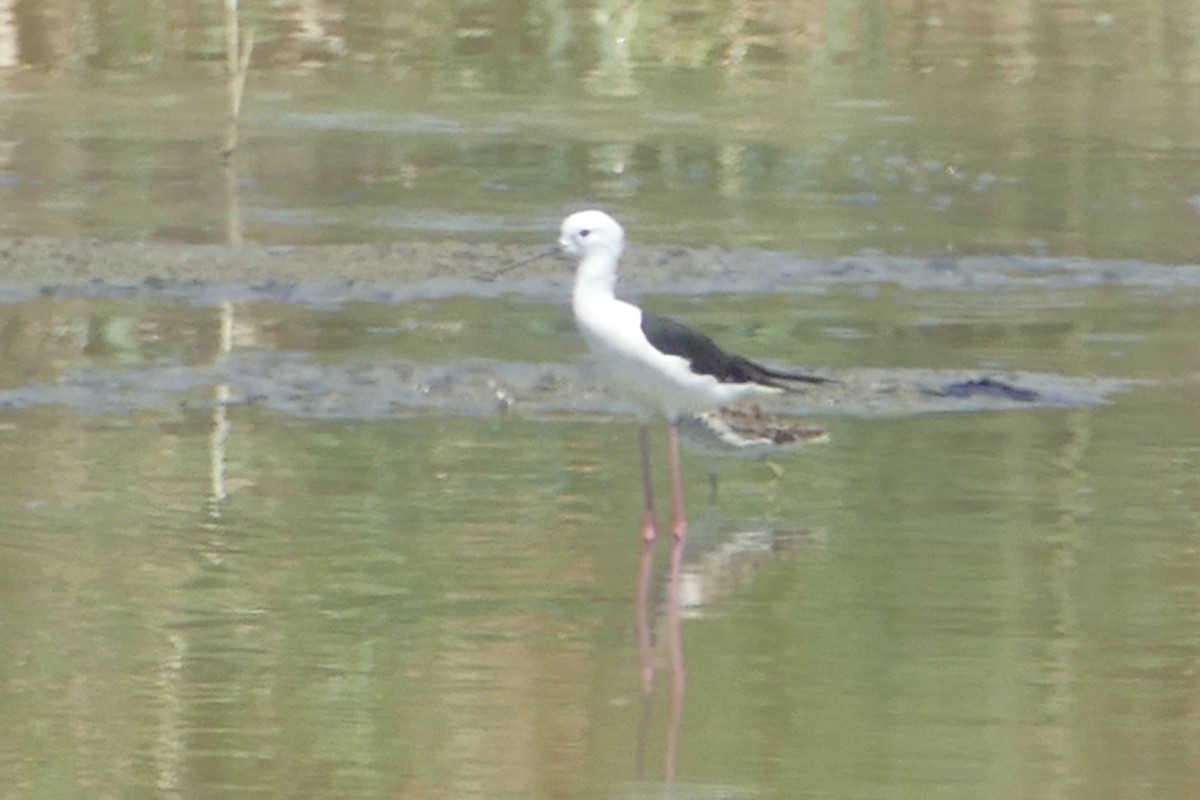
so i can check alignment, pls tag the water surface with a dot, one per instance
(826, 127)
(342, 521)
(994, 605)
(219, 600)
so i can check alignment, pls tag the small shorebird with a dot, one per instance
(744, 431)
(662, 365)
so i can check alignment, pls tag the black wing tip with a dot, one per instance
(795, 377)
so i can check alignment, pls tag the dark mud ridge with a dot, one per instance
(297, 385)
(327, 276)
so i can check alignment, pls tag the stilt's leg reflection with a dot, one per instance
(673, 636)
(645, 652)
(678, 669)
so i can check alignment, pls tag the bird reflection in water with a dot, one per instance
(720, 564)
(649, 667)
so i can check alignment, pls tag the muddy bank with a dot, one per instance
(403, 271)
(331, 276)
(296, 384)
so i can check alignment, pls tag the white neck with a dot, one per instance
(596, 278)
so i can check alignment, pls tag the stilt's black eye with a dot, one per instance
(583, 234)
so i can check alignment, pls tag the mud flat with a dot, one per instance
(296, 384)
(330, 276)
(398, 272)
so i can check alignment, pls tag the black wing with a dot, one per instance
(707, 358)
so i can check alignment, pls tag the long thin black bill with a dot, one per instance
(552, 250)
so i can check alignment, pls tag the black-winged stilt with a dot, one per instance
(662, 365)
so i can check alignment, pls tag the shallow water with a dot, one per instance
(1047, 126)
(307, 596)
(347, 522)
(991, 605)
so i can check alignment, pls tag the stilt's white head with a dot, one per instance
(595, 239)
(592, 232)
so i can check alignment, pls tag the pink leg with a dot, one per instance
(676, 471)
(649, 524)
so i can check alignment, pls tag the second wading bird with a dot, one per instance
(663, 365)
